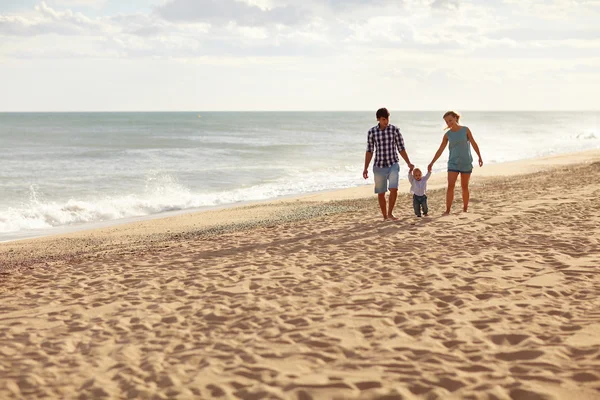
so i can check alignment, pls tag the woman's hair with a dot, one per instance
(454, 114)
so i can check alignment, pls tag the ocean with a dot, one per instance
(79, 169)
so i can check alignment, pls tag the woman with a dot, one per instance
(460, 160)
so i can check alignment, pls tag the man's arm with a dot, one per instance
(368, 154)
(402, 149)
(368, 157)
(404, 155)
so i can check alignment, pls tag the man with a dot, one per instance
(384, 139)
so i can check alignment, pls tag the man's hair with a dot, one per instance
(383, 112)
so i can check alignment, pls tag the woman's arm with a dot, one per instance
(475, 147)
(439, 152)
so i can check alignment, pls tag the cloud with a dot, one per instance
(445, 4)
(526, 34)
(321, 29)
(280, 12)
(142, 25)
(86, 3)
(556, 9)
(351, 4)
(47, 21)
(223, 11)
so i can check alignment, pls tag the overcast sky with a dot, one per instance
(76, 55)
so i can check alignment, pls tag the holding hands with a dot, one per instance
(430, 166)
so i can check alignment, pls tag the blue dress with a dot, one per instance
(460, 159)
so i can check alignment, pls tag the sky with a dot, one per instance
(204, 55)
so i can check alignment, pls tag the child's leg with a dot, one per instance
(416, 205)
(424, 205)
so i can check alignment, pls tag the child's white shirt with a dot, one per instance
(418, 187)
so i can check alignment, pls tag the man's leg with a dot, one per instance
(380, 178)
(416, 205)
(393, 197)
(382, 205)
(394, 178)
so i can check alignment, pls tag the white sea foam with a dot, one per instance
(162, 194)
(587, 136)
(41, 214)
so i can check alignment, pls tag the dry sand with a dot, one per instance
(314, 299)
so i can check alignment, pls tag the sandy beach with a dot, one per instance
(316, 298)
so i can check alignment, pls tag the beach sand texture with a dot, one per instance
(502, 302)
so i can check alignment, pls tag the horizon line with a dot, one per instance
(282, 111)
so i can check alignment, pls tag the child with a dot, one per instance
(418, 187)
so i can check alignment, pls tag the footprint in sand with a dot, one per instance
(520, 355)
(511, 339)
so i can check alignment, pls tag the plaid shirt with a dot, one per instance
(385, 142)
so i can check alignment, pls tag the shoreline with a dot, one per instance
(437, 181)
(151, 233)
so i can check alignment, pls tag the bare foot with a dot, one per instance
(426, 215)
(446, 213)
(465, 210)
(391, 217)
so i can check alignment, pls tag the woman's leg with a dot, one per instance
(452, 176)
(464, 183)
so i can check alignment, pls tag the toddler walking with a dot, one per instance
(418, 187)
